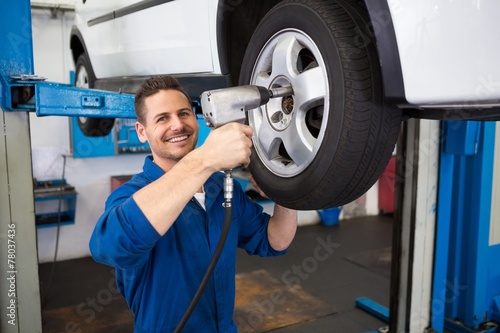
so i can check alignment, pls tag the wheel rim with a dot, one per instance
(289, 130)
(82, 81)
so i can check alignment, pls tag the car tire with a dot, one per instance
(327, 143)
(85, 78)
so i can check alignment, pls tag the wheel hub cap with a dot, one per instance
(280, 110)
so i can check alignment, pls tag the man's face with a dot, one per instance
(170, 128)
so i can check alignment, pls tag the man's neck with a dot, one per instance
(165, 165)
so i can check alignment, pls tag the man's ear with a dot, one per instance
(141, 132)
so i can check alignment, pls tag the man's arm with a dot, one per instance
(163, 200)
(282, 227)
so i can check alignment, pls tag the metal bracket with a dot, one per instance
(54, 99)
(25, 92)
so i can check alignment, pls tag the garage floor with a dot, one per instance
(311, 289)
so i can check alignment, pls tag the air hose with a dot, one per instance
(228, 196)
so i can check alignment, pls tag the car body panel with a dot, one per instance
(160, 39)
(448, 51)
(445, 52)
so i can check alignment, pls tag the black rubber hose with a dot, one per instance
(210, 269)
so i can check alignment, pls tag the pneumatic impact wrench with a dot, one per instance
(220, 107)
(227, 105)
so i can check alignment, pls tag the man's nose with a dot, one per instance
(176, 123)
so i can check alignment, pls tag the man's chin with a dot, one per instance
(176, 156)
(174, 153)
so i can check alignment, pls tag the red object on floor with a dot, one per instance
(386, 187)
(119, 180)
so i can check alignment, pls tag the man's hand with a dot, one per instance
(228, 146)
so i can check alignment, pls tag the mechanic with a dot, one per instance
(159, 230)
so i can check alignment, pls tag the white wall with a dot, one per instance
(50, 139)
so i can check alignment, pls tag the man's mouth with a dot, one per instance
(178, 139)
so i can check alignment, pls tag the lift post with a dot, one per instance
(21, 91)
(466, 271)
(20, 296)
(414, 227)
(445, 268)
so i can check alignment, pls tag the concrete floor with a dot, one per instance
(325, 270)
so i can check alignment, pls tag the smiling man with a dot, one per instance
(160, 229)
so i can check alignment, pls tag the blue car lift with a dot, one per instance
(22, 92)
(467, 270)
(459, 289)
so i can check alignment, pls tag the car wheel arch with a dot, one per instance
(76, 44)
(384, 35)
(235, 27)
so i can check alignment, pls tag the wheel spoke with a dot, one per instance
(268, 141)
(298, 142)
(309, 88)
(285, 57)
(262, 79)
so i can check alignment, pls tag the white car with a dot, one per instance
(357, 68)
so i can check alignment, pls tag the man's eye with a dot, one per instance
(161, 119)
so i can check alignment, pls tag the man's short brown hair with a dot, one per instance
(150, 87)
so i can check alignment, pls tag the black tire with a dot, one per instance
(85, 78)
(329, 150)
